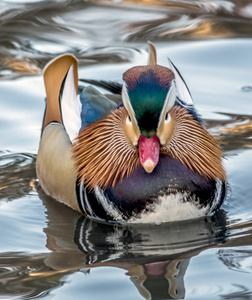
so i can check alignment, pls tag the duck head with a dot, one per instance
(148, 94)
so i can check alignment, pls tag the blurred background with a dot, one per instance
(49, 251)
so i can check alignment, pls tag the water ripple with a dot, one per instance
(17, 275)
(79, 26)
(17, 170)
(234, 133)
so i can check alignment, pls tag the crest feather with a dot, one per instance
(152, 54)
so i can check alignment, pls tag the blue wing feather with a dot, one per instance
(95, 106)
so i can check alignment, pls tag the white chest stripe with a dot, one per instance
(107, 205)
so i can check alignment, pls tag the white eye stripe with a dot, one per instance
(127, 103)
(168, 104)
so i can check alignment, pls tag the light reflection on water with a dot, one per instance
(49, 250)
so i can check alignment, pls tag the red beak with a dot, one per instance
(149, 152)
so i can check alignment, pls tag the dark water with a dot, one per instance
(50, 251)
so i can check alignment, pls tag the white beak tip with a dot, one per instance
(149, 165)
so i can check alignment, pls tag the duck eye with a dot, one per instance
(128, 120)
(167, 116)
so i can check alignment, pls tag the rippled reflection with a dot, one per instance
(17, 170)
(155, 257)
(234, 133)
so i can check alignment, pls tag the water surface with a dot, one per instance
(47, 250)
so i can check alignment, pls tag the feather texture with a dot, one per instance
(193, 146)
(103, 154)
(70, 106)
(182, 89)
(95, 106)
(152, 54)
(111, 86)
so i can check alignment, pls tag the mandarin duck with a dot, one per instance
(140, 155)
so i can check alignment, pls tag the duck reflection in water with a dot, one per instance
(155, 257)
